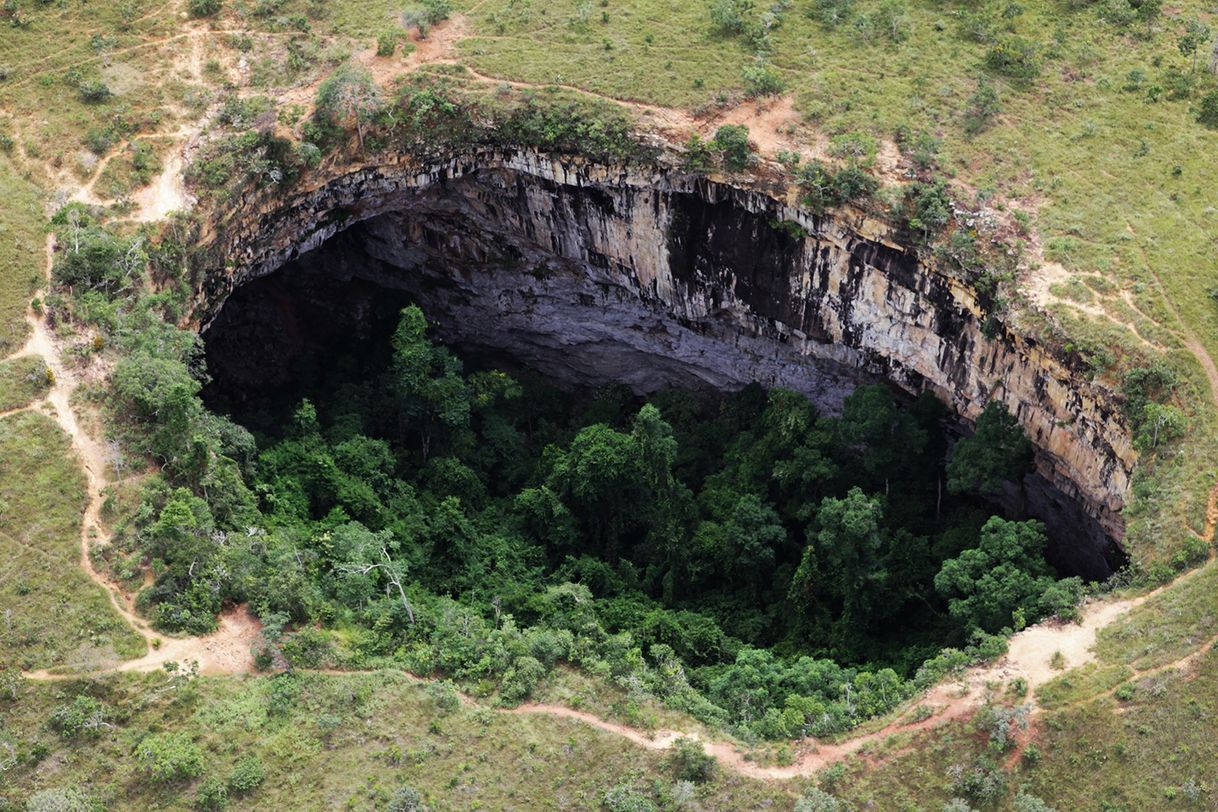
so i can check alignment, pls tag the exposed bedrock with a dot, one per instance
(654, 277)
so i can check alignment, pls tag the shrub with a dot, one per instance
(855, 148)
(761, 80)
(387, 43)
(623, 798)
(62, 799)
(246, 776)
(815, 799)
(691, 762)
(83, 716)
(1014, 57)
(1207, 110)
(406, 799)
(928, 207)
(204, 8)
(1030, 803)
(983, 783)
(983, 105)
(731, 141)
(698, 156)
(852, 183)
(93, 91)
(212, 795)
(521, 678)
(730, 17)
(169, 757)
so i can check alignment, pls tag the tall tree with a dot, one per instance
(998, 451)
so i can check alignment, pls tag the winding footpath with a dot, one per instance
(228, 650)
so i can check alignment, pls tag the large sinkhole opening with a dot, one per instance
(521, 436)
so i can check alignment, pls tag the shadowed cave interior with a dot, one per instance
(277, 335)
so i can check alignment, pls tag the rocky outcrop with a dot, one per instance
(652, 276)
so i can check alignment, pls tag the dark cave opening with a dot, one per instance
(340, 302)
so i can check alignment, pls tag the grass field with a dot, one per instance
(22, 380)
(20, 252)
(54, 616)
(342, 742)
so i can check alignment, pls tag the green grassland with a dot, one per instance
(54, 616)
(20, 252)
(338, 741)
(22, 380)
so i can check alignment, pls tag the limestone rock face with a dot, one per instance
(654, 277)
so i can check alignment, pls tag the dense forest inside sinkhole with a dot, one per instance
(763, 567)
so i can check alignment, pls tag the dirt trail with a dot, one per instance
(225, 651)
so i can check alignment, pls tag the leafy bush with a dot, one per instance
(982, 783)
(83, 716)
(730, 17)
(928, 207)
(64, 799)
(406, 799)
(521, 678)
(93, 91)
(247, 776)
(1024, 802)
(212, 795)
(731, 141)
(983, 105)
(761, 79)
(1014, 57)
(1207, 110)
(815, 799)
(169, 757)
(691, 762)
(204, 8)
(624, 798)
(387, 43)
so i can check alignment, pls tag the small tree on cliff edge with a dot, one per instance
(349, 94)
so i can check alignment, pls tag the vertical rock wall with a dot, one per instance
(652, 277)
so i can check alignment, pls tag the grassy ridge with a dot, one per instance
(59, 617)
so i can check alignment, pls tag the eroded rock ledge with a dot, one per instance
(652, 276)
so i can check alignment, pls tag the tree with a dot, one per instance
(887, 438)
(1148, 11)
(1196, 34)
(432, 395)
(844, 560)
(1160, 423)
(1006, 574)
(997, 451)
(731, 141)
(349, 95)
(364, 553)
(599, 477)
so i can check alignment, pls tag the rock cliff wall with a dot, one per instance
(651, 277)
